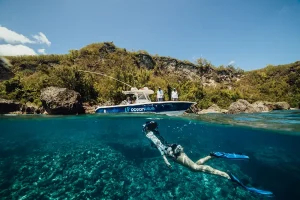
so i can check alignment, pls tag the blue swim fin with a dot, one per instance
(234, 156)
(251, 189)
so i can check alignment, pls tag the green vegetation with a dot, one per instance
(33, 73)
(272, 83)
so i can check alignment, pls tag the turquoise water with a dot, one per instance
(108, 157)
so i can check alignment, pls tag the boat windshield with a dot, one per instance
(141, 96)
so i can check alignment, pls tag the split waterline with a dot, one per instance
(108, 156)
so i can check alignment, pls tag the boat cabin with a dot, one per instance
(141, 95)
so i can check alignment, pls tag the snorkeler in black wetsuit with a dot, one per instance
(176, 153)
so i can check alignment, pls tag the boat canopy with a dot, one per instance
(142, 95)
(134, 90)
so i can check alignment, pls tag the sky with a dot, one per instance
(248, 34)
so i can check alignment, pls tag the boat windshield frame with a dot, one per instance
(142, 95)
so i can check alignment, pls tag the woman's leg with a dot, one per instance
(184, 160)
(203, 160)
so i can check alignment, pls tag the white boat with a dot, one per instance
(143, 104)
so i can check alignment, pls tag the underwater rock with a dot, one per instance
(7, 106)
(61, 101)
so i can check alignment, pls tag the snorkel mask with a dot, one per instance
(150, 125)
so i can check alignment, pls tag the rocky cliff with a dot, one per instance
(200, 81)
(208, 75)
(5, 72)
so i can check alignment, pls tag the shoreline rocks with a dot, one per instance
(243, 106)
(61, 101)
(67, 102)
(282, 106)
(212, 109)
(262, 106)
(31, 108)
(88, 109)
(16, 108)
(7, 106)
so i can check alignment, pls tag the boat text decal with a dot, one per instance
(128, 109)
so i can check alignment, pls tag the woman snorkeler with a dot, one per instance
(176, 153)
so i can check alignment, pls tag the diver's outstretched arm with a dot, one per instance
(166, 161)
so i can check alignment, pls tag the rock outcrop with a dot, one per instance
(171, 64)
(108, 47)
(145, 60)
(241, 106)
(7, 106)
(13, 107)
(263, 106)
(30, 108)
(210, 77)
(88, 109)
(281, 106)
(213, 109)
(5, 72)
(61, 101)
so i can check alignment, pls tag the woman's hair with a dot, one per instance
(151, 125)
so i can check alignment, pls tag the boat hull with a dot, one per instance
(166, 107)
